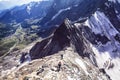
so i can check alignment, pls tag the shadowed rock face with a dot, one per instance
(52, 45)
(110, 9)
(67, 35)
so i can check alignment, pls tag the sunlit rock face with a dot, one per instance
(65, 65)
(106, 48)
(99, 43)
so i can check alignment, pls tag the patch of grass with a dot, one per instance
(5, 46)
(21, 46)
(21, 37)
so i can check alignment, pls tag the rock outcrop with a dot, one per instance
(65, 65)
(67, 35)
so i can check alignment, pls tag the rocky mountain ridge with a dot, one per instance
(82, 47)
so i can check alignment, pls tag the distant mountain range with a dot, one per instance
(50, 13)
(28, 11)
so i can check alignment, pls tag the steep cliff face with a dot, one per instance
(93, 38)
(107, 49)
(67, 35)
(51, 45)
(112, 10)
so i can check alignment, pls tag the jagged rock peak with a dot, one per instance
(52, 44)
(66, 35)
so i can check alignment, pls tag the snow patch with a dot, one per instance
(100, 57)
(69, 78)
(28, 9)
(105, 56)
(82, 65)
(59, 12)
(115, 72)
(87, 23)
(100, 24)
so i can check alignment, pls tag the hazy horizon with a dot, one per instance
(7, 4)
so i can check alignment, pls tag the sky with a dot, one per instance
(6, 4)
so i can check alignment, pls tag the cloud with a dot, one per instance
(6, 4)
(4, 0)
(19, 0)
